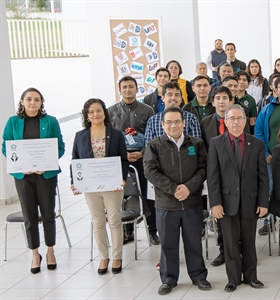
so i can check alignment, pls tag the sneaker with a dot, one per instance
(158, 265)
(264, 230)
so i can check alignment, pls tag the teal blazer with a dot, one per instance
(49, 128)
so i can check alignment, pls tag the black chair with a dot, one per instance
(132, 193)
(17, 217)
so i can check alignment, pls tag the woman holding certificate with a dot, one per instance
(36, 189)
(98, 140)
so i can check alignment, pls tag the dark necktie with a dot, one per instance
(238, 154)
(222, 126)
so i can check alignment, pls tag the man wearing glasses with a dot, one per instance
(175, 164)
(237, 182)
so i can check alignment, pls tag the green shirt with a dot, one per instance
(203, 111)
(250, 102)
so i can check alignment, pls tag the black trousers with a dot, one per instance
(239, 235)
(170, 224)
(35, 191)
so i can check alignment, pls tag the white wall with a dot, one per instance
(177, 28)
(245, 23)
(275, 40)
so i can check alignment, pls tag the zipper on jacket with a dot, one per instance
(181, 175)
(172, 156)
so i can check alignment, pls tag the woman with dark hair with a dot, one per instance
(175, 70)
(276, 66)
(258, 86)
(97, 140)
(36, 189)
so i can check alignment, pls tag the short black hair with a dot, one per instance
(223, 64)
(230, 44)
(127, 78)
(162, 69)
(221, 89)
(171, 85)
(243, 73)
(172, 109)
(199, 77)
(228, 78)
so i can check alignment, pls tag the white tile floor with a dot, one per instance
(76, 277)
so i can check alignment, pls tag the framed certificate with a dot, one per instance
(32, 155)
(97, 174)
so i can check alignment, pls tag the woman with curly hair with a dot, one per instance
(258, 86)
(36, 189)
(97, 140)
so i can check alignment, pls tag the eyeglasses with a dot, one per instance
(176, 122)
(238, 119)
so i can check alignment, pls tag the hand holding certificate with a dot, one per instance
(32, 155)
(97, 174)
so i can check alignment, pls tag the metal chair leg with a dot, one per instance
(206, 241)
(65, 230)
(91, 241)
(5, 241)
(135, 238)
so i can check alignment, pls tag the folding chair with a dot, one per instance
(17, 217)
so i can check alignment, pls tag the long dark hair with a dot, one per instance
(259, 75)
(21, 111)
(86, 123)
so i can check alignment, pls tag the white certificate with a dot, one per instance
(32, 155)
(97, 174)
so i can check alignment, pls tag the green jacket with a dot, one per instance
(49, 128)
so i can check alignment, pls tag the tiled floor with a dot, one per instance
(76, 276)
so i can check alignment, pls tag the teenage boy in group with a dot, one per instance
(216, 57)
(171, 96)
(230, 51)
(238, 194)
(243, 79)
(212, 126)
(175, 164)
(201, 106)
(155, 99)
(130, 113)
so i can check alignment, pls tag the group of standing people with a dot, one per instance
(176, 126)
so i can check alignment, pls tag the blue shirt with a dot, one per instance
(155, 130)
(160, 104)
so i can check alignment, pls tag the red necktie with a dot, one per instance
(222, 126)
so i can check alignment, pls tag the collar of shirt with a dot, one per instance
(179, 142)
(241, 137)
(228, 61)
(134, 103)
(195, 102)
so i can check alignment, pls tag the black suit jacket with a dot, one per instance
(114, 146)
(209, 129)
(226, 187)
(151, 100)
(274, 203)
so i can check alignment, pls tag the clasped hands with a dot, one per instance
(181, 192)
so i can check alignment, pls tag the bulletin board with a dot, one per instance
(136, 53)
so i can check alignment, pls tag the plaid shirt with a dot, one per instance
(155, 130)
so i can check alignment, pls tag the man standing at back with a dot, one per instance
(129, 113)
(237, 182)
(237, 64)
(215, 58)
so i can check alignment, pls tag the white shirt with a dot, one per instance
(179, 142)
(255, 90)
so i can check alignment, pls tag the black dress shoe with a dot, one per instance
(50, 266)
(117, 270)
(219, 260)
(166, 288)
(231, 286)
(203, 285)
(256, 284)
(36, 269)
(104, 270)
(154, 239)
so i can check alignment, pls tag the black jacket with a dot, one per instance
(151, 100)
(166, 167)
(114, 146)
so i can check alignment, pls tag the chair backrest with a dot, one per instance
(132, 192)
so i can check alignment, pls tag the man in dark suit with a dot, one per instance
(238, 192)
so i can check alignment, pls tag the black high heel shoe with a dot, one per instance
(50, 266)
(36, 269)
(117, 270)
(104, 270)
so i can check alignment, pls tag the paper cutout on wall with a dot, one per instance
(121, 58)
(136, 53)
(137, 67)
(139, 78)
(120, 44)
(150, 79)
(123, 70)
(150, 29)
(150, 44)
(134, 41)
(152, 56)
(152, 68)
(119, 30)
(134, 28)
(150, 90)
(141, 91)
